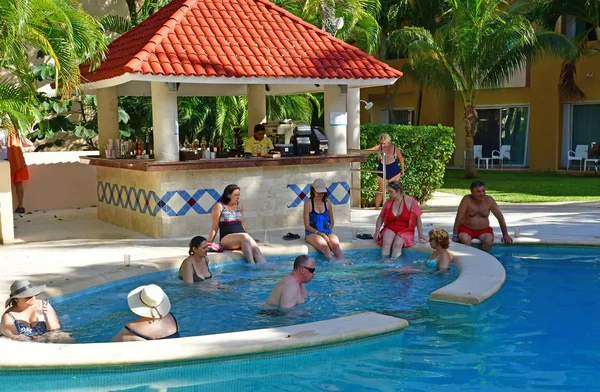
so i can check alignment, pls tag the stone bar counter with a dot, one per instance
(175, 199)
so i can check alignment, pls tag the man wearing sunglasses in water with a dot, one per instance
(290, 290)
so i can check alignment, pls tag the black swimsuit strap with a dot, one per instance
(137, 333)
(312, 201)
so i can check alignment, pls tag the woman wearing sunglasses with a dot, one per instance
(27, 317)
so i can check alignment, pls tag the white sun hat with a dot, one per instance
(149, 301)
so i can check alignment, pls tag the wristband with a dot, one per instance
(454, 235)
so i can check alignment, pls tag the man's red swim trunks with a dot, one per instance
(475, 233)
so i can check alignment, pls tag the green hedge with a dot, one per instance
(426, 151)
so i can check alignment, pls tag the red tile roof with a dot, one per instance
(234, 38)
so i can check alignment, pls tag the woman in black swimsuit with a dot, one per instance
(195, 267)
(156, 323)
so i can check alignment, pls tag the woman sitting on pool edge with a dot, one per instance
(195, 267)
(156, 323)
(27, 317)
(318, 221)
(439, 240)
(395, 227)
(228, 219)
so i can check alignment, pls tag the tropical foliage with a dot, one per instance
(426, 150)
(63, 34)
(585, 14)
(482, 44)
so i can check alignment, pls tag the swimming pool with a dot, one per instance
(233, 300)
(539, 332)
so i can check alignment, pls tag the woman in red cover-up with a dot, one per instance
(395, 227)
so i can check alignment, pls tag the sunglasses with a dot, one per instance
(311, 270)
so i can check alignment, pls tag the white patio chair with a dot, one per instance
(477, 153)
(580, 154)
(501, 155)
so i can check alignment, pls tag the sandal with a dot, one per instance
(364, 236)
(20, 210)
(291, 236)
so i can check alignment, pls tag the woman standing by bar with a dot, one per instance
(228, 219)
(393, 171)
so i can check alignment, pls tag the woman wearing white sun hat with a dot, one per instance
(156, 323)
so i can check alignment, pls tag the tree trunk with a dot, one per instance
(419, 106)
(471, 121)
(390, 104)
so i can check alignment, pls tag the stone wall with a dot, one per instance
(179, 203)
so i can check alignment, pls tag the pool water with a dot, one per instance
(539, 333)
(234, 298)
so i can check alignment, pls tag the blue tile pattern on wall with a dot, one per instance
(339, 193)
(172, 203)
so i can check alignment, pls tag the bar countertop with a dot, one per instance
(149, 165)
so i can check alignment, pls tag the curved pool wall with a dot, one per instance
(480, 277)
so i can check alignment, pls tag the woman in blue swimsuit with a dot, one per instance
(156, 323)
(318, 221)
(439, 240)
(27, 317)
(393, 171)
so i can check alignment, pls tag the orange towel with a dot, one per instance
(18, 167)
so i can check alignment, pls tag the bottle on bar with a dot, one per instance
(147, 145)
(138, 146)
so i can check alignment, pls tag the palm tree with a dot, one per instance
(360, 19)
(60, 30)
(547, 14)
(483, 43)
(395, 14)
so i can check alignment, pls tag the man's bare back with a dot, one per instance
(287, 293)
(290, 291)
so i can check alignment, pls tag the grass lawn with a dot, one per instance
(526, 187)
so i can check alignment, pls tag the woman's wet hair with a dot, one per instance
(229, 189)
(195, 243)
(395, 185)
(441, 236)
(384, 137)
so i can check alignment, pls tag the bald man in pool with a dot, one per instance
(290, 290)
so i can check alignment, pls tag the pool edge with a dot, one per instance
(35, 356)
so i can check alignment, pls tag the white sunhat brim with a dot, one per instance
(138, 307)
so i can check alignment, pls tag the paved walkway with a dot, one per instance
(70, 245)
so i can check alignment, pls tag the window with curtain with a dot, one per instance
(399, 117)
(504, 126)
(586, 125)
